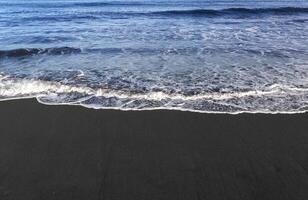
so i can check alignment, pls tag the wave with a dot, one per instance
(182, 12)
(24, 52)
(274, 98)
(120, 3)
(76, 4)
(36, 51)
(21, 87)
(235, 11)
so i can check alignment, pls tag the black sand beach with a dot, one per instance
(70, 152)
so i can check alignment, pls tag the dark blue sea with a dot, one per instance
(225, 56)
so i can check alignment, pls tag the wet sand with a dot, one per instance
(71, 153)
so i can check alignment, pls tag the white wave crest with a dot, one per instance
(14, 88)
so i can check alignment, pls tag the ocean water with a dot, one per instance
(225, 56)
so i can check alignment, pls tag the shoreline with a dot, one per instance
(71, 152)
(157, 108)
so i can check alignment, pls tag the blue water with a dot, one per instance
(208, 56)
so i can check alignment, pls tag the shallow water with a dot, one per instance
(208, 56)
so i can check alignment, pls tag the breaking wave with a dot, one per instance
(272, 99)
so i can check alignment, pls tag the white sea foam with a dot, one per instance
(23, 87)
(53, 93)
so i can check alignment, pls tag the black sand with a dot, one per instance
(71, 153)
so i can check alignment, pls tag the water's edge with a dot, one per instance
(156, 109)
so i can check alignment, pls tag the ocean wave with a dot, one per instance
(75, 4)
(231, 10)
(201, 12)
(10, 87)
(235, 11)
(24, 52)
(36, 51)
(119, 3)
(49, 92)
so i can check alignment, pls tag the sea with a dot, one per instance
(208, 56)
